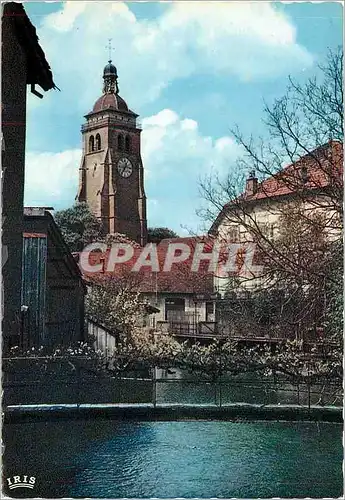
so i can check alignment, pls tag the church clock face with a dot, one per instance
(124, 167)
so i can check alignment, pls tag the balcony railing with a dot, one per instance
(202, 329)
(111, 121)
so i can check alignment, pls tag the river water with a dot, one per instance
(109, 459)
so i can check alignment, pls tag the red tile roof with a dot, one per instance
(180, 279)
(113, 101)
(323, 168)
(34, 235)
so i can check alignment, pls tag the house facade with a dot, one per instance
(52, 292)
(23, 63)
(181, 300)
(309, 188)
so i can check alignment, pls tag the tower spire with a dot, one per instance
(110, 85)
(109, 47)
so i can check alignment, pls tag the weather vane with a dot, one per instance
(109, 47)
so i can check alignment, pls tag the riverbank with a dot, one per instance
(172, 412)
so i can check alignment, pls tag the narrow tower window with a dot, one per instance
(128, 143)
(98, 142)
(120, 142)
(91, 143)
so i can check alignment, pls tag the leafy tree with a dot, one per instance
(79, 226)
(157, 234)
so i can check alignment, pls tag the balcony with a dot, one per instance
(201, 329)
(110, 122)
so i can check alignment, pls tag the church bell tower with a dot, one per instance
(111, 179)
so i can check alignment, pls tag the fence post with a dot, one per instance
(154, 387)
(308, 385)
(220, 392)
(78, 384)
(220, 373)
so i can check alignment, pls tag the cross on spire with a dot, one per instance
(109, 47)
(110, 85)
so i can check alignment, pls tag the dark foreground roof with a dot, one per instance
(39, 222)
(38, 69)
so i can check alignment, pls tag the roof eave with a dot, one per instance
(38, 69)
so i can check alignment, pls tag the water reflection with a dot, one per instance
(177, 459)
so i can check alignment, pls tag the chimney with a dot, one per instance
(251, 184)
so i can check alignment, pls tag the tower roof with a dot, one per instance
(110, 98)
(110, 101)
(109, 69)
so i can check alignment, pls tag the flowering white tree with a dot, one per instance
(115, 303)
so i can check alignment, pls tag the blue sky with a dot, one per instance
(191, 70)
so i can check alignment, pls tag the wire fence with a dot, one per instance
(43, 380)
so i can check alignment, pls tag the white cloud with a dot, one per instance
(161, 119)
(175, 146)
(175, 165)
(244, 40)
(51, 178)
(189, 124)
(238, 40)
(175, 156)
(223, 144)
